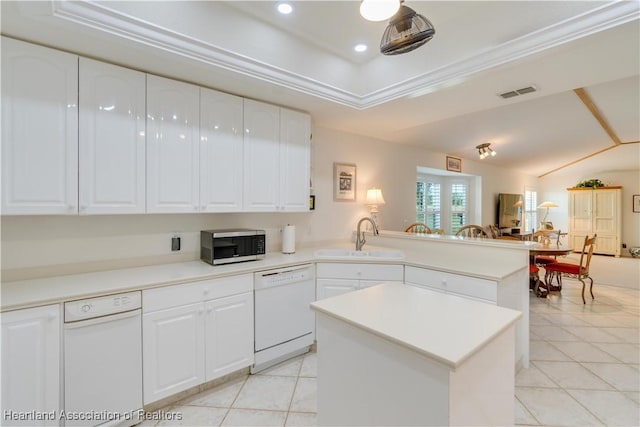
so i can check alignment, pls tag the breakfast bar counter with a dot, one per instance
(400, 355)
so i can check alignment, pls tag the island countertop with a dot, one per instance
(445, 328)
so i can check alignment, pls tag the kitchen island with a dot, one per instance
(400, 355)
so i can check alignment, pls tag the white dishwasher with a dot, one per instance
(103, 360)
(284, 323)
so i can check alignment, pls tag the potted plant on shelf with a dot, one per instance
(590, 183)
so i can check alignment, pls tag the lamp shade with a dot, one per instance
(374, 197)
(547, 205)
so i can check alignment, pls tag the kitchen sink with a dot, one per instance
(350, 253)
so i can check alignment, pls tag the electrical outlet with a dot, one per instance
(175, 243)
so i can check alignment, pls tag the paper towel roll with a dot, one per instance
(289, 239)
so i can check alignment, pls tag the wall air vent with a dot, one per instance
(517, 92)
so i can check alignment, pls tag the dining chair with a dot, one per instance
(508, 238)
(418, 228)
(472, 231)
(437, 231)
(534, 278)
(578, 271)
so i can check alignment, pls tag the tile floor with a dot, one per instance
(585, 370)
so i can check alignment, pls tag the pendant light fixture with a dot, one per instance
(407, 30)
(484, 150)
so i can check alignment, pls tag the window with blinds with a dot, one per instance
(443, 202)
(530, 211)
(459, 205)
(428, 203)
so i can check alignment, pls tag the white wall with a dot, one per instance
(37, 246)
(553, 187)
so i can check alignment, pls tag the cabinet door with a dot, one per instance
(295, 133)
(580, 211)
(31, 363)
(606, 222)
(261, 156)
(221, 145)
(39, 130)
(229, 335)
(112, 139)
(327, 288)
(173, 350)
(173, 177)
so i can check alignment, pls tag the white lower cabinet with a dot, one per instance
(31, 365)
(173, 350)
(229, 335)
(194, 333)
(440, 281)
(339, 278)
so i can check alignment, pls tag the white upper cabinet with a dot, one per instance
(261, 156)
(112, 139)
(39, 130)
(173, 176)
(277, 158)
(221, 151)
(295, 158)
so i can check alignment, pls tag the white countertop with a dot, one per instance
(443, 327)
(37, 292)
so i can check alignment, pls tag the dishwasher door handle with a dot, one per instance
(103, 319)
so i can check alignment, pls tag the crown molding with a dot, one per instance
(102, 18)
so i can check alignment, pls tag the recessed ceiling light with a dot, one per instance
(285, 8)
(360, 47)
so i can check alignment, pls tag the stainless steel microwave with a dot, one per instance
(235, 245)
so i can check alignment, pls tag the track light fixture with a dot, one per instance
(484, 150)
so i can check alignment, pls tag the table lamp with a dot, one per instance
(546, 205)
(374, 199)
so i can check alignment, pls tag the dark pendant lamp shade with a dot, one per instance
(407, 30)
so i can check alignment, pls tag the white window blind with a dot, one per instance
(530, 212)
(459, 205)
(428, 203)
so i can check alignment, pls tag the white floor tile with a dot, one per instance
(288, 368)
(630, 335)
(554, 333)
(592, 334)
(219, 397)
(266, 392)
(309, 366)
(534, 377)
(583, 352)
(633, 395)
(627, 353)
(251, 417)
(622, 377)
(523, 416)
(195, 416)
(573, 375)
(305, 397)
(554, 407)
(299, 419)
(611, 407)
(542, 350)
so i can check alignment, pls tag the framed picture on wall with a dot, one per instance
(636, 202)
(454, 164)
(344, 182)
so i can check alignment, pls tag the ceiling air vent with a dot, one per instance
(518, 92)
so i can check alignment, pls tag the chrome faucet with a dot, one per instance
(360, 242)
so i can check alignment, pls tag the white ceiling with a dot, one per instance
(442, 96)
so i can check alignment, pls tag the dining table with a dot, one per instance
(553, 250)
